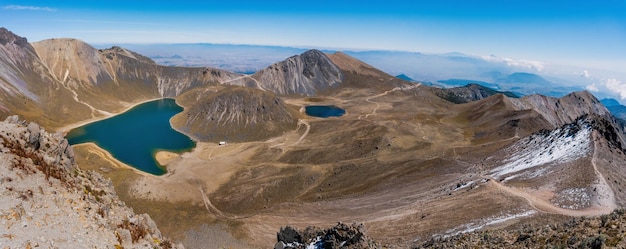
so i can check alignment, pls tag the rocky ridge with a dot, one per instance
(47, 201)
(468, 93)
(564, 110)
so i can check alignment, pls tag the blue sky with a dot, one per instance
(589, 34)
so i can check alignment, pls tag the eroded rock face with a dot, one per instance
(304, 74)
(47, 201)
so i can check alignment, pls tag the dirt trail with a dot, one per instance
(369, 99)
(605, 195)
(208, 205)
(243, 77)
(306, 132)
(545, 206)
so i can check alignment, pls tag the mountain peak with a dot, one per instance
(7, 36)
(306, 74)
(522, 77)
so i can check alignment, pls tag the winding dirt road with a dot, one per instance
(604, 200)
(369, 99)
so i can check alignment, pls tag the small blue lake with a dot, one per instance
(135, 136)
(324, 111)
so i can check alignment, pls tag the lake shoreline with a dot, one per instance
(136, 135)
(66, 129)
(114, 161)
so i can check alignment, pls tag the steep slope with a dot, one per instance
(47, 201)
(305, 74)
(15, 52)
(236, 114)
(358, 74)
(27, 88)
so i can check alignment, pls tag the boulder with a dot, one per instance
(35, 135)
(289, 235)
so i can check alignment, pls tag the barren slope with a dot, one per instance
(235, 114)
(305, 74)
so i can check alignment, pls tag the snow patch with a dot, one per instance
(562, 145)
(473, 226)
(573, 198)
(463, 185)
(316, 244)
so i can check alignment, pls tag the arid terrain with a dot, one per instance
(408, 161)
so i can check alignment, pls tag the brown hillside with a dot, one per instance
(237, 114)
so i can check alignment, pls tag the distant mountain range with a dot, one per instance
(521, 77)
(617, 109)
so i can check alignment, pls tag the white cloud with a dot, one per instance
(585, 74)
(22, 7)
(592, 88)
(535, 65)
(616, 86)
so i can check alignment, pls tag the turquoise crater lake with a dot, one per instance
(324, 111)
(135, 136)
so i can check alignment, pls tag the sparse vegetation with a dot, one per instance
(23, 153)
(137, 231)
(594, 232)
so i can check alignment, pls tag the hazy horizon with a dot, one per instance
(587, 36)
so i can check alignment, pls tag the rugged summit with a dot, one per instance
(306, 74)
(468, 93)
(47, 201)
(237, 114)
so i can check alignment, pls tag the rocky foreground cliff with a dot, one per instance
(46, 201)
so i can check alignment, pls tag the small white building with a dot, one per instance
(222, 143)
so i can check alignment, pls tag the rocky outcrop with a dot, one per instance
(47, 201)
(340, 236)
(237, 114)
(304, 74)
